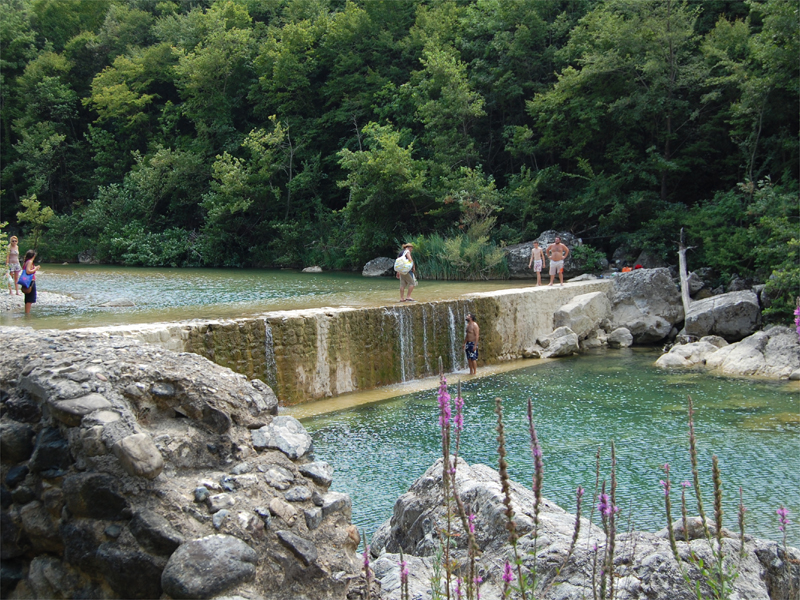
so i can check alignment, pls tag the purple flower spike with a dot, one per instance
(579, 492)
(665, 485)
(445, 412)
(686, 484)
(783, 518)
(458, 421)
(472, 523)
(605, 507)
(508, 573)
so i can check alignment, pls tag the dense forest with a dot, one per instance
(299, 132)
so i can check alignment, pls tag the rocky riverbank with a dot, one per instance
(130, 471)
(644, 565)
(16, 303)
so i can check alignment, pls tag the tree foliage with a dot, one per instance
(289, 132)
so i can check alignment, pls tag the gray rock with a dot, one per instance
(219, 518)
(218, 502)
(561, 342)
(118, 303)
(336, 503)
(201, 494)
(733, 316)
(583, 313)
(379, 267)
(320, 472)
(313, 517)
(16, 475)
(279, 477)
(95, 495)
(299, 493)
(647, 303)
(242, 468)
(162, 389)
(22, 495)
(208, 566)
(139, 456)
(16, 442)
(286, 434)
(72, 411)
(81, 539)
(51, 451)
(774, 353)
(41, 529)
(301, 548)
(620, 338)
(154, 533)
(88, 257)
(130, 572)
(314, 269)
(23, 410)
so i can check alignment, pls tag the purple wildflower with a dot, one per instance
(472, 523)
(459, 418)
(686, 484)
(458, 589)
(605, 507)
(508, 573)
(366, 558)
(403, 571)
(579, 492)
(783, 518)
(665, 485)
(444, 404)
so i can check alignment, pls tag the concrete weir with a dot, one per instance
(315, 353)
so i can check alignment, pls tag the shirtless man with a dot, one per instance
(557, 253)
(537, 260)
(471, 343)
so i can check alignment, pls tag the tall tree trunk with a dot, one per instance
(684, 276)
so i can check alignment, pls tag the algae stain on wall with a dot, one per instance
(315, 353)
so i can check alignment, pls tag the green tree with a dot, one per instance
(387, 191)
(38, 217)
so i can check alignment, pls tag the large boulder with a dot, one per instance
(518, 255)
(774, 353)
(561, 342)
(645, 566)
(144, 479)
(733, 316)
(583, 313)
(379, 267)
(646, 302)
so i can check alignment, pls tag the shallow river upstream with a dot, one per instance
(581, 403)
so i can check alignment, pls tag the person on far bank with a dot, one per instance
(12, 262)
(409, 278)
(471, 338)
(557, 253)
(28, 267)
(537, 260)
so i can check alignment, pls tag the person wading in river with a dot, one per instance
(557, 253)
(408, 279)
(471, 338)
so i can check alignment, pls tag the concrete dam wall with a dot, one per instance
(315, 353)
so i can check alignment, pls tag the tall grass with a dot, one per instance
(464, 256)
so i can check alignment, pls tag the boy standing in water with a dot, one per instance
(471, 338)
(537, 259)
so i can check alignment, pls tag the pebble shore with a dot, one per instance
(14, 303)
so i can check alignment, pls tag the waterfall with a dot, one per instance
(425, 339)
(454, 362)
(269, 354)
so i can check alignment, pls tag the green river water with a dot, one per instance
(180, 294)
(379, 449)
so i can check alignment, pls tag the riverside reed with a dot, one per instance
(449, 582)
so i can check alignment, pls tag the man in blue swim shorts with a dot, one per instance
(471, 338)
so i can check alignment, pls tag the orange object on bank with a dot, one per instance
(626, 269)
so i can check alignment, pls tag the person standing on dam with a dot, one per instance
(471, 338)
(557, 253)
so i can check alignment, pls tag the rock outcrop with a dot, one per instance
(379, 267)
(645, 567)
(733, 316)
(130, 471)
(583, 314)
(774, 354)
(647, 303)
